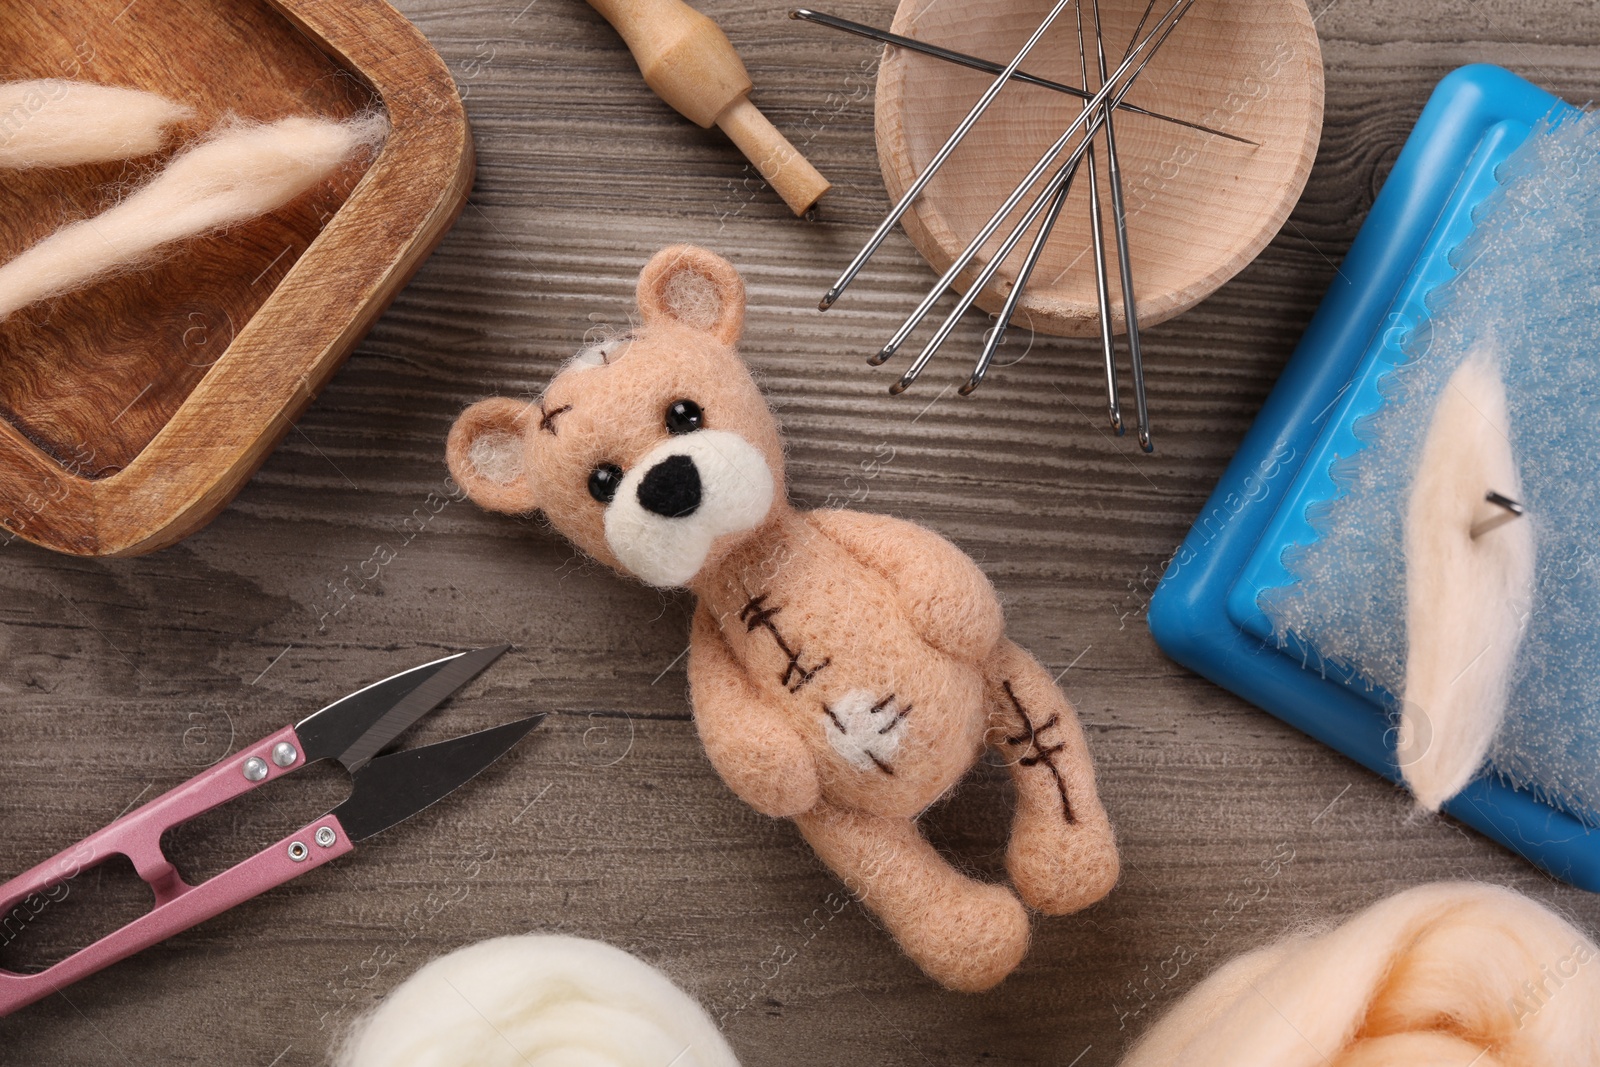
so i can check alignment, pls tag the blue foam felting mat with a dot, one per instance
(1207, 612)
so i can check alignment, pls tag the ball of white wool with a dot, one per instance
(537, 1001)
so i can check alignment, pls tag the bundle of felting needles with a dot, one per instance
(1094, 121)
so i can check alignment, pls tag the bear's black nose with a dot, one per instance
(671, 488)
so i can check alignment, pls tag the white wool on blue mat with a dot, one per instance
(1528, 291)
(1469, 583)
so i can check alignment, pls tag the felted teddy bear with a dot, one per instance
(846, 669)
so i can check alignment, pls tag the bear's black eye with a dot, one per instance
(684, 416)
(603, 482)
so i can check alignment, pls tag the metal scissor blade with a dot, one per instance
(356, 728)
(395, 787)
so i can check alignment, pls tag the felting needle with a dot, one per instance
(1102, 281)
(1149, 6)
(1055, 191)
(1113, 91)
(1119, 216)
(988, 66)
(997, 332)
(1510, 510)
(1102, 287)
(939, 157)
(1109, 90)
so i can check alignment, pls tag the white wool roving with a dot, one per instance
(537, 1001)
(1454, 973)
(53, 122)
(240, 172)
(1467, 598)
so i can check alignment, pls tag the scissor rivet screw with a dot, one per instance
(284, 754)
(255, 769)
(298, 851)
(326, 836)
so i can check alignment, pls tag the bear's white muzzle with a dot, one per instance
(680, 497)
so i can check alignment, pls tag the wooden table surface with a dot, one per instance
(342, 561)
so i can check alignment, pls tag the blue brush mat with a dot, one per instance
(1206, 614)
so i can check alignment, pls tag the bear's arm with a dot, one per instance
(941, 589)
(755, 751)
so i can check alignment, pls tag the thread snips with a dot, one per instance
(353, 731)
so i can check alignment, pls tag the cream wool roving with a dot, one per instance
(1467, 597)
(846, 669)
(54, 122)
(1453, 974)
(537, 1001)
(241, 171)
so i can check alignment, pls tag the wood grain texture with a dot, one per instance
(1198, 207)
(133, 410)
(690, 63)
(335, 566)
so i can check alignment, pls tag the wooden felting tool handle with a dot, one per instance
(690, 63)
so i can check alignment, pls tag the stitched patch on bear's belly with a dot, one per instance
(865, 729)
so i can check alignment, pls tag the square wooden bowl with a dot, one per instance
(132, 411)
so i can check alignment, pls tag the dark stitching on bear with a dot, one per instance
(1039, 752)
(875, 709)
(800, 675)
(794, 676)
(755, 613)
(899, 715)
(547, 419)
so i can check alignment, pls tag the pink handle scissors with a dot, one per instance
(386, 790)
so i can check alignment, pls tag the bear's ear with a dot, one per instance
(488, 457)
(695, 288)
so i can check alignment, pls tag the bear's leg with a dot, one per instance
(964, 934)
(1063, 854)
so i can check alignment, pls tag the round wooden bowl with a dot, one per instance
(1199, 207)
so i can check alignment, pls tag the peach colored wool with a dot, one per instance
(1445, 975)
(537, 1001)
(240, 172)
(58, 123)
(1467, 598)
(847, 670)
